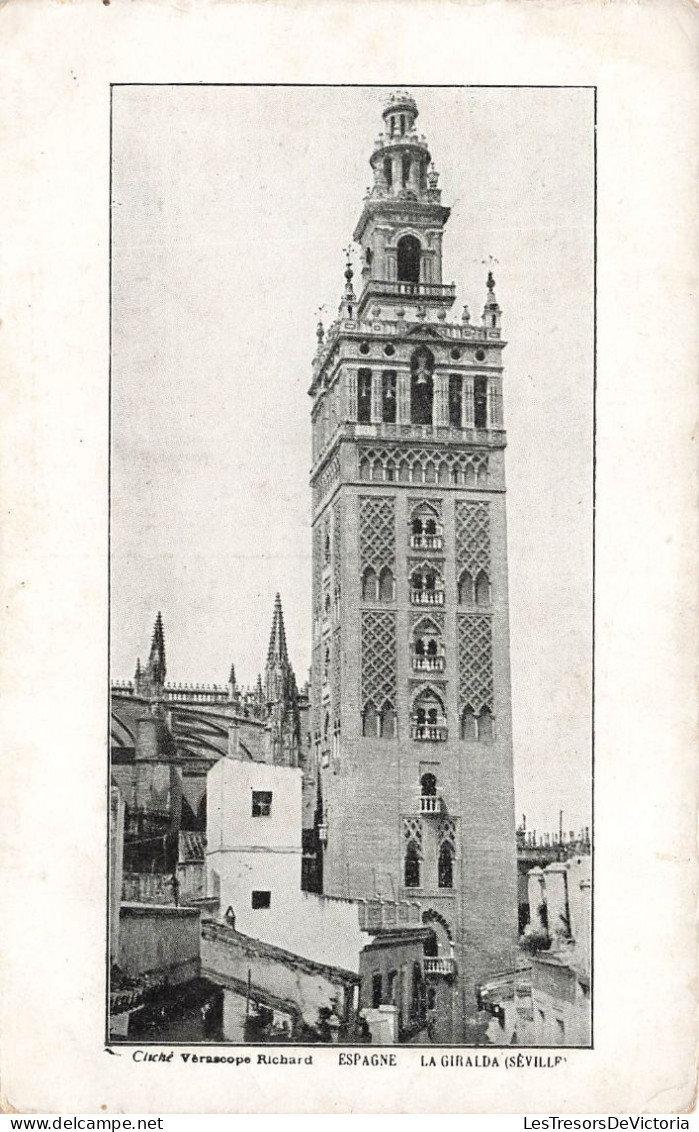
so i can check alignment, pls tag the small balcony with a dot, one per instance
(428, 733)
(428, 663)
(426, 542)
(426, 597)
(439, 965)
(430, 804)
(323, 833)
(443, 293)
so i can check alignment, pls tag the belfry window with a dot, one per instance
(386, 586)
(405, 168)
(455, 400)
(480, 401)
(369, 585)
(408, 259)
(388, 396)
(364, 396)
(421, 387)
(388, 171)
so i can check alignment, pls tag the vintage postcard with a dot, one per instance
(346, 412)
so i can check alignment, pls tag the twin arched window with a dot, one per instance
(378, 587)
(477, 728)
(379, 724)
(474, 591)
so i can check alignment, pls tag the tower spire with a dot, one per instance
(277, 652)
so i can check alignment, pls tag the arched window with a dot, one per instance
(408, 260)
(326, 733)
(370, 722)
(387, 166)
(364, 469)
(326, 665)
(425, 526)
(445, 866)
(412, 866)
(466, 590)
(428, 720)
(369, 584)
(482, 589)
(426, 586)
(428, 651)
(327, 549)
(469, 729)
(327, 605)
(388, 721)
(431, 647)
(336, 738)
(386, 585)
(485, 726)
(428, 785)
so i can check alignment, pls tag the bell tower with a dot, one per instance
(410, 690)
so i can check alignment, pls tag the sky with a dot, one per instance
(230, 210)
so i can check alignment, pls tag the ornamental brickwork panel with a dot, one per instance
(377, 532)
(475, 661)
(378, 642)
(337, 552)
(408, 464)
(472, 537)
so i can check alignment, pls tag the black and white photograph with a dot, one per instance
(351, 565)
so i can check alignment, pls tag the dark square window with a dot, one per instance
(261, 804)
(261, 899)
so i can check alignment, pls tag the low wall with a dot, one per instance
(159, 939)
(280, 976)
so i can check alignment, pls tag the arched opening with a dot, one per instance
(326, 733)
(326, 665)
(388, 721)
(369, 584)
(485, 726)
(428, 785)
(327, 605)
(482, 589)
(445, 866)
(370, 722)
(426, 587)
(469, 728)
(408, 260)
(386, 585)
(430, 947)
(412, 866)
(327, 549)
(466, 591)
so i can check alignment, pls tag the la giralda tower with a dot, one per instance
(411, 713)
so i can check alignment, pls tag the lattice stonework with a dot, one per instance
(337, 550)
(377, 531)
(378, 658)
(473, 537)
(336, 673)
(475, 662)
(412, 832)
(447, 832)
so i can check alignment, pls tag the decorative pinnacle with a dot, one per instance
(490, 281)
(231, 676)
